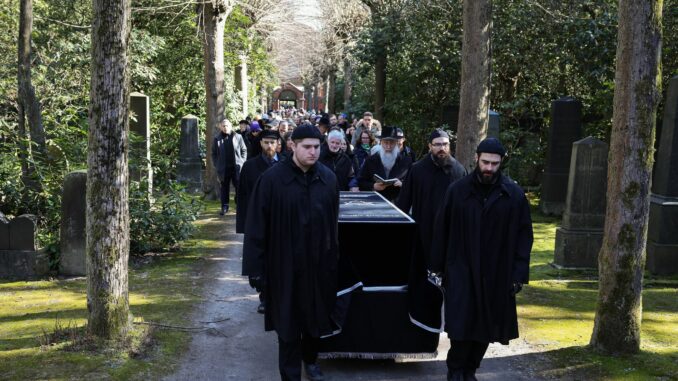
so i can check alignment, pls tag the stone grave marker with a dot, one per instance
(73, 224)
(662, 234)
(566, 128)
(140, 125)
(494, 125)
(580, 236)
(189, 169)
(4, 232)
(22, 233)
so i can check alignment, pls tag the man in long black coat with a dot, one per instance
(388, 164)
(481, 246)
(337, 160)
(291, 240)
(251, 170)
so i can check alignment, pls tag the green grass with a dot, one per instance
(163, 289)
(556, 315)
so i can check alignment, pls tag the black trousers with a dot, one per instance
(232, 175)
(465, 355)
(291, 354)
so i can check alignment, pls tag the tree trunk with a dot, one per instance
(475, 80)
(28, 104)
(348, 86)
(213, 14)
(244, 88)
(380, 85)
(622, 257)
(107, 174)
(331, 92)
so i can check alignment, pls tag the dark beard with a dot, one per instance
(484, 178)
(443, 162)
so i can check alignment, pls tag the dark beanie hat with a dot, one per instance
(491, 145)
(271, 134)
(438, 133)
(324, 120)
(306, 131)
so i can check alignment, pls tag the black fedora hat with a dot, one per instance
(389, 132)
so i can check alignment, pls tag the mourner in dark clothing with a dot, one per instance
(338, 161)
(426, 184)
(291, 240)
(481, 245)
(386, 163)
(405, 150)
(229, 153)
(254, 139)
(244, 131)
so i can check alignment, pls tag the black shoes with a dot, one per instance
(262, 308)
(224, 210)
(461, 375)
(313, 372)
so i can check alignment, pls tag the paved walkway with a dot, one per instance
(249, 353)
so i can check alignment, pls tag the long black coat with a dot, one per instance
(219, 153)
(424, 190)
(483, 247)
(374, 166)
(249, 174)
(342, 166)
(291, 239)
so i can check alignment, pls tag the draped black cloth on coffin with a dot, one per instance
(291, 239)
(483, 247)
(374, 166)
(249, 174)
(424, 191)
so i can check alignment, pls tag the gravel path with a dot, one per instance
(248, 353)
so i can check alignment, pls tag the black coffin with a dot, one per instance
(378, 240)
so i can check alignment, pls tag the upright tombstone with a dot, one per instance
(22, 231)
(73, 224)
(662, 234)
(19, 258)
(494, 124)
(189, 169)
(566, 128)
(580, 237)
(4, 232)
(140, 126)
(450, 116)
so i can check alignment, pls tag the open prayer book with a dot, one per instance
(379, 179)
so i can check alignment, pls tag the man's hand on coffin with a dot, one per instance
(435, 278)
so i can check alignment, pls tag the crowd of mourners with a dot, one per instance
(288, 167)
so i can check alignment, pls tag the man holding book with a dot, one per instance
(386, 169)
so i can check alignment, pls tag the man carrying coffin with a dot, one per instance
(291, 241)
(251, 170)
(481, 248)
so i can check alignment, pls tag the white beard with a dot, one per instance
(388, 159)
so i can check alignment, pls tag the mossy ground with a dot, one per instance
(163, 289)
(557, 310)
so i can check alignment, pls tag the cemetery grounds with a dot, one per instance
(42, 322)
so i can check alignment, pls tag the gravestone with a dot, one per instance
(566, 128)
(662, 234)
(73, 224)
(22, 233)
(189, 169)
(4, 232)
(19, 258)
(494, 125)
(580, 236)
(450, 117)
(140, 149)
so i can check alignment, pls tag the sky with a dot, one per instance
(309, 13)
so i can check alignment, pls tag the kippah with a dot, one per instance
(438, 133)
(306, 131)
(491, 145)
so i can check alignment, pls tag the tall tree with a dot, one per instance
(107, 171)
(622, 257)
(28, 104)
(213, 14)
(475, 79)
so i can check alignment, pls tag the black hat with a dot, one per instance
(324, 120)
(271, 134)
(244, 122)
(389, 132)
(491, 145)
(438, 133)
(400, 134)
(306, 131)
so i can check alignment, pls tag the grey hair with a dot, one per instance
(336, 134)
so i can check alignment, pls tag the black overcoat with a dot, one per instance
(482, 245)
(374, 166)
(342, 166)
(291, 239)
(249, 174)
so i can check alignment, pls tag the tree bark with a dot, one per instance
(621, 261)
(348, 86)
(475, 80)
(28, 103)
(380, 85)
(331, 92)
(107, 228)
(213, 14)
(244, 88)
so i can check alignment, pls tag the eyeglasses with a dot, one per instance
(440, 145)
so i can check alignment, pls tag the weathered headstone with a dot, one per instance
(73, 224)
(19, 258)
(494, 125)
(450, 116)
(140, 126)
(189, 169)
(4, 232)
(580, 237)
(566, 128)
(662, 234)
(22, 233)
